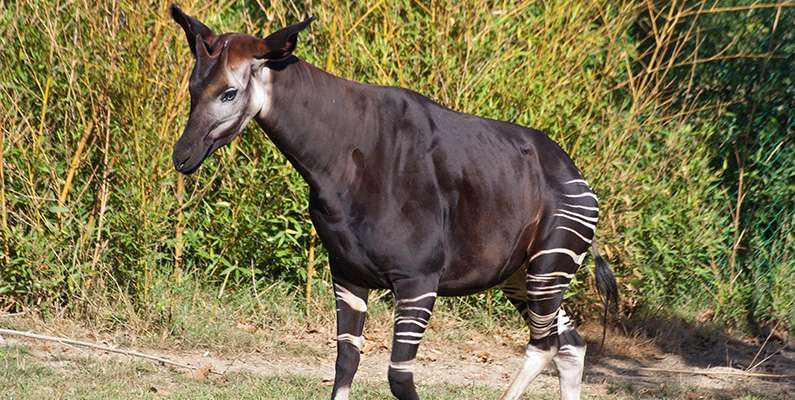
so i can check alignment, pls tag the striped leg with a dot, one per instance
(551, 268)
(413, 308)
(351, 311)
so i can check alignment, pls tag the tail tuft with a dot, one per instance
(606, 286)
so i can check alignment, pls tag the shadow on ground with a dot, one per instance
(653, 352)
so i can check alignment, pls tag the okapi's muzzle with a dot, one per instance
(195, 145)
(188, 157)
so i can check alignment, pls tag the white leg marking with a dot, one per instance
(575, 232)
(563, 322)
(570, 362)
(582, 207)
(583, 223)
(574, 214)
(542, 292)
(356, 341)
(534, 362)
(556, 286)
(406, 341)
(541, 325)
(412, 334)
(342, 393)
(415, 309)
(411, 321)
(350, 299)
(586, 194)
(402, 366)
(574, 256)
(416, 299)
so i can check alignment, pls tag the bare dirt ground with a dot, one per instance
(636, 365)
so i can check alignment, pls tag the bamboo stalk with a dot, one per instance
(45, 98)
(310, 267)
(3, 209)
(177, 276)
(718, 10)
(70, 174)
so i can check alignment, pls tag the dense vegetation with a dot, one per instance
(680, 115)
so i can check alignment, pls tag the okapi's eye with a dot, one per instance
(229, 95)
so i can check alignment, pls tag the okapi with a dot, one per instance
(406, 195)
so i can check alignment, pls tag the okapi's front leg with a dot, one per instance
(414, 302)
(351, 311)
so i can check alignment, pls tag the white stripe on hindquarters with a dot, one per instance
(582, 207)
(577, 258)
(549, 276)
(582, 181)
(583, 223)
(586, 194)
(586, 240)
(583, 217)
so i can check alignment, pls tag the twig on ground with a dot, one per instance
(769, 335)
(132, 353)
(707, 372)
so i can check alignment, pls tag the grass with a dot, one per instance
(96, 225)
(24, 376)
(27, 374)
(195, 317)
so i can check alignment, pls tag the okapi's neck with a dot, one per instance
(310, 117)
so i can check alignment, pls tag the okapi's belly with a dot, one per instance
(499, 259)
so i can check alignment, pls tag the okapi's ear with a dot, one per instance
(193, 28)
(280, 44)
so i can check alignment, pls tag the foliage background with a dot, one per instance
(679, 113)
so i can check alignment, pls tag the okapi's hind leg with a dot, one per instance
(551, 267)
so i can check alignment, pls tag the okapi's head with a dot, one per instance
(230, 84)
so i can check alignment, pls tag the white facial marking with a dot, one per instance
(350, 299)
(262, 101)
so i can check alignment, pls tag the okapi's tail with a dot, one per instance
(606, 286)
